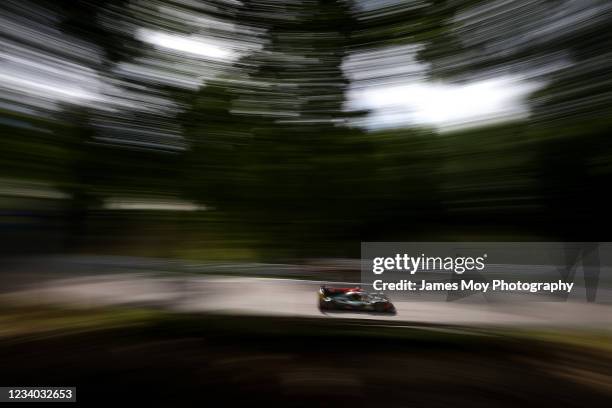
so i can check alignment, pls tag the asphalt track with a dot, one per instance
(290, 297)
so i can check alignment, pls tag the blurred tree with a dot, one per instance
(407, 185)
(105, 24)
(276, 149)
(565, 46)
(571, 117)
(107, 152)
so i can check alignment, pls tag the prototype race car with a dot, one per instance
(353, 299)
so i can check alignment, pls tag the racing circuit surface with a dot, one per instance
(230, 339)
(68, 283)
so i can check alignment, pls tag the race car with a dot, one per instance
(353, 298)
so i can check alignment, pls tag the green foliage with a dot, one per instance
(270, 148)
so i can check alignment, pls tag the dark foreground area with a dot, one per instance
(204, 360)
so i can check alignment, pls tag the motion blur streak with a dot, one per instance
(147, 142)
